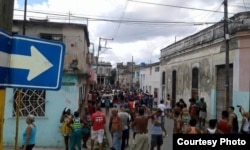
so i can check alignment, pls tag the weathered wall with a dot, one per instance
(76, 47)
(73, 37)
(48, 127)
(152, 79)
(206, 50)
(205, 60)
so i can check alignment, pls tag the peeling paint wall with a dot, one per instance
(206, 50)
(205, 60)
(76, 48)
(49, 126)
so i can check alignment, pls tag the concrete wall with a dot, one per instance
(48, 132)
(73, 37)
(76, 47)
(205, 60)
(152, 79)
(68, 96)
(125, 80)
(205, 50)
(242, 90)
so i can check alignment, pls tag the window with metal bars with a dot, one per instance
(31, 102)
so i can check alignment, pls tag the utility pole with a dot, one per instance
(6, 14)
(98, 53)
(6, 21)
(24, 17)
(227, 37)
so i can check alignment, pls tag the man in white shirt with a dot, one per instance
(163, 108)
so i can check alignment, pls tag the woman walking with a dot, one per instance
(29, 135)
(65, 119)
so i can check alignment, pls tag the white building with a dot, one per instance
(104, 73)
(150, 79)
(195, 67)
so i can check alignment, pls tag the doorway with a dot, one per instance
(174, 82)
(195, 83)
(220, 88)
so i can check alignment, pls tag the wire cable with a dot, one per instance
(244, 4)
(149, 22)
(191, 8)
(123, 13)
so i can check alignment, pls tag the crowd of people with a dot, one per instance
(132, 111)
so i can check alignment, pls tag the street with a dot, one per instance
(167, 141)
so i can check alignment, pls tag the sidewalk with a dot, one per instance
(106, 139)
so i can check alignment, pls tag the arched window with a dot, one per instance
(195, 82)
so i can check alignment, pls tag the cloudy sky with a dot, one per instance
(139, 28)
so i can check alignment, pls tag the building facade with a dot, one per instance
(136, 78)
(125, 75)
(47, 105)
(150, 80)
(195, 66)
(104, 73)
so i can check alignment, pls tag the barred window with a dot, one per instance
(31, 102)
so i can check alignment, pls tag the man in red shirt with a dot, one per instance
(98, 120)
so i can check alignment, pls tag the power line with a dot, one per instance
(123, 13)
(150, 22)
(183, 31)
(192, 8)
(245, 5)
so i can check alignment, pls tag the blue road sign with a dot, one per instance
(33, 63)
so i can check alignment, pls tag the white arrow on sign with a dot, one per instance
(36, 63)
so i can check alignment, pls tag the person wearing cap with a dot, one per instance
(29, 135)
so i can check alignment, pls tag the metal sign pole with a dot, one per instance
(17, 118)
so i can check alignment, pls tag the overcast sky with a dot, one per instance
(144, 39)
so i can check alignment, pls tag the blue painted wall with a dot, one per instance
(48, 133)
(243, 99)
(239, 98)
(212, 110)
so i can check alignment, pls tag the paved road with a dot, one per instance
(167, 141)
